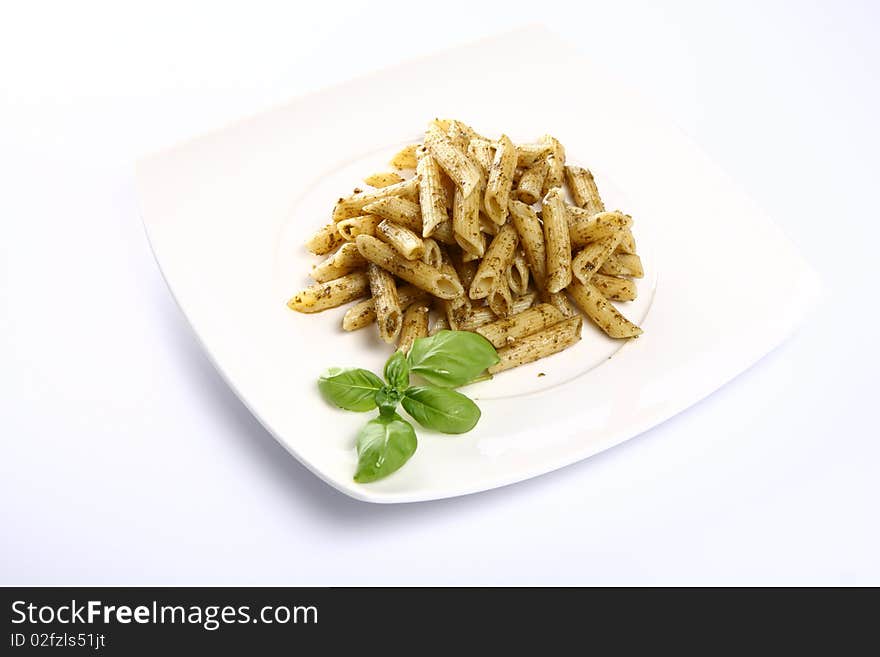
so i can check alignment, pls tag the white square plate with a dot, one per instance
(227, 214)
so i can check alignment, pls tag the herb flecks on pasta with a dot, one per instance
(507, 240)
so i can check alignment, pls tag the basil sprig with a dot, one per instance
(445, 360)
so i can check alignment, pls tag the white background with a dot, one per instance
(125, 459)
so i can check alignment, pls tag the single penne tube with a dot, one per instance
(401, 211)
(432, 195)
(589, 259)
(355, 204)
(562, 303)
(364, 224)
(518, 274)
(325, 240)
(443, 233)
(458, 309)
(493, 266)
(458, 135)
(466, 223)
(345, 260)
(415, 325)
(628, 243)
(621, 264)
(433, 254)
(330, 294)
(416, 272)
(500, 299)
(504, 332)
(545, 343)
(531, 236)
(446, 125)
(363, 313)
(556, 241)
(584, 228)
(603, 313)
(528, 154)
(389, 316)
(488, 226)
(528, 189)
(583, 189)
(455, 162)
(614, 288)
(500, 180)
(403, 240)
(466, 269)
(383, 179)
(475, 257)
(482, 151)
(440, 324)
(405, 158)
(555, 164)
(481, 315)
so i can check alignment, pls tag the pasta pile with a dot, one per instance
(481, 233)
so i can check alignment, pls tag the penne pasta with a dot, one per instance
(562, 303)
(330, 294)
(401, 211)
(545, 343)
(456, 163)
(628, 243)
(555, 164)
(415, 325)
(595, 306)
(481, 315)
(556, 241)
(583, 189)
(432, 195)
(466, 223)
(528, 190)
(504, 332)
(476, 231)
(415, 272)
(363, 313)
(458, 309)
(344, 261)
(383, 179)
(500, 180)
(614, 288)
(365, 224)
(531, 236)
(405, 157)
(440, 324)
(518, 274)
(355, 204)
(500, 299)
(483, 153)
(588, 261)
(386, 303)
(466, 271)
(621, 264)
(433, 255)
(494, 264)
(325, 240)
(403, 240)
(584, 228)
(458, 135)
(528, 154)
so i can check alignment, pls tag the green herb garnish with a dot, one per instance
(446, 360)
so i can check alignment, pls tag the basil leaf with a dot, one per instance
(353, 389)
(451, 358)
(441, 409)
(397, 371)
(383, 445)
(387, 400)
